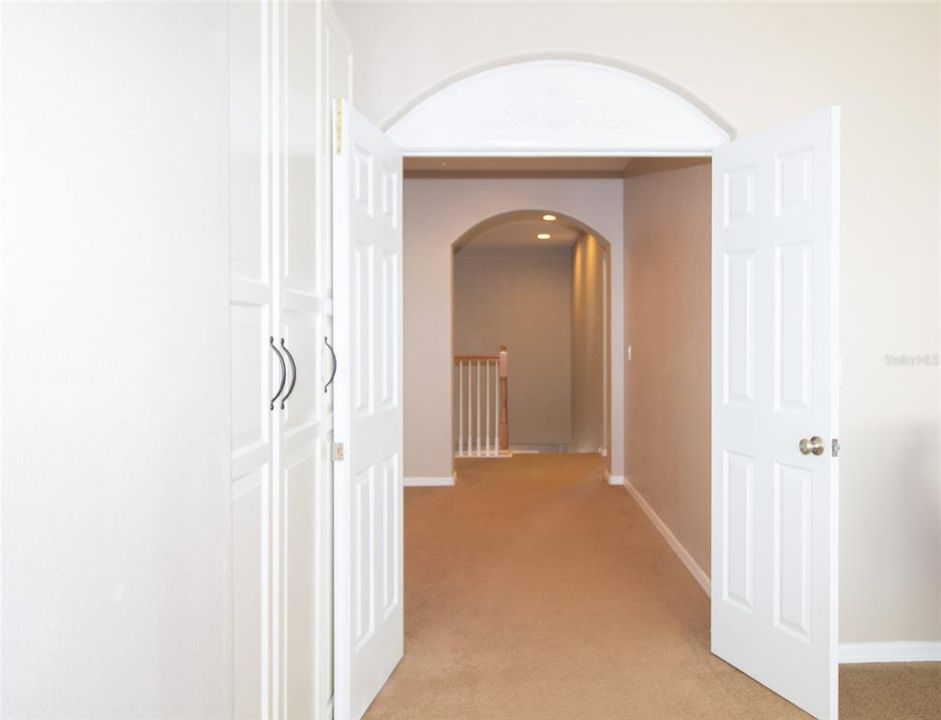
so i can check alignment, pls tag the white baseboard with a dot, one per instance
(697, 572)
(423, 481)
(890, 652)
(613, 479)
(850, 653)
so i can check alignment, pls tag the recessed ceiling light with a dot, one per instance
(550, 218)
(543, 236)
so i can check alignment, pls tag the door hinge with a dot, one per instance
(339, 126)
(337, 452)
(835, 447)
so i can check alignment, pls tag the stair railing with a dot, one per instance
(483, 416)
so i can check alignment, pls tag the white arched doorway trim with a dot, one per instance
(557, 106)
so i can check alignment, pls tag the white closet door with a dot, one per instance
(368, 412)
(305, 420)
(255, 371)
(775, 353)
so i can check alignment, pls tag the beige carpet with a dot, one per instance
(535, 590)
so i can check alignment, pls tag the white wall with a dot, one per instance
(521, 297)
(115, 375)
(437, 212)
(758, 64)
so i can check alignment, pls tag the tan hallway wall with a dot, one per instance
(588, 344)
(667, 240)
(521, 298)
(759, 64)
(436, 213)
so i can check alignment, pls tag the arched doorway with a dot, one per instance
(578, 108)
(535, 283)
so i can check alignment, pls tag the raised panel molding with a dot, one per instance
(792, 550)
(793, 327)
(794, 181)
(364, 555)
(553, 107)
(738, 195)
(738, 317)
(738, 479)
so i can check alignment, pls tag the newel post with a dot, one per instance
(504, 412)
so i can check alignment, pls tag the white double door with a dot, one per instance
(774, 422)
(281, 316)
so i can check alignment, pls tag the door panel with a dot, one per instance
(249, 549)
(304, 422)
(300, 512)
(252, 370)
(367, 253)
(775, 263)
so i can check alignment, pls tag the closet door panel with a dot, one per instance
(304, 424)
(249, 593)
(255, 372)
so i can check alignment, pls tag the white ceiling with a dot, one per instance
(521, 232)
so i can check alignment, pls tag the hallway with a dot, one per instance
(535, 590)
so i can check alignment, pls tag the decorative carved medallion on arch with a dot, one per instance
(557, 107)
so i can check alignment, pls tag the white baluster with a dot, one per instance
(478, 408)
(469, 408)
(487, 393)
(496, 407)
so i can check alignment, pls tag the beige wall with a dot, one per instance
(437, 213)
(667, 275)
(521, 298)
(758, 64)
(589, 343)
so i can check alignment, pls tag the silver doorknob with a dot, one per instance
(814, 445)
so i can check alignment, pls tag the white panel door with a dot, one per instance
(774, 383)
(367, 262)
(304, 418)
(254, 365)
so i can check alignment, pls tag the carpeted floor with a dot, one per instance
(534, 590)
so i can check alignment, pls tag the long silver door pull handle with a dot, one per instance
(333, 374)
(293, 373)
(283, 371)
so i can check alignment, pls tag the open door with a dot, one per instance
(367, 267)
(774, 408)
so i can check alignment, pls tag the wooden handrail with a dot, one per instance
(475, 358)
